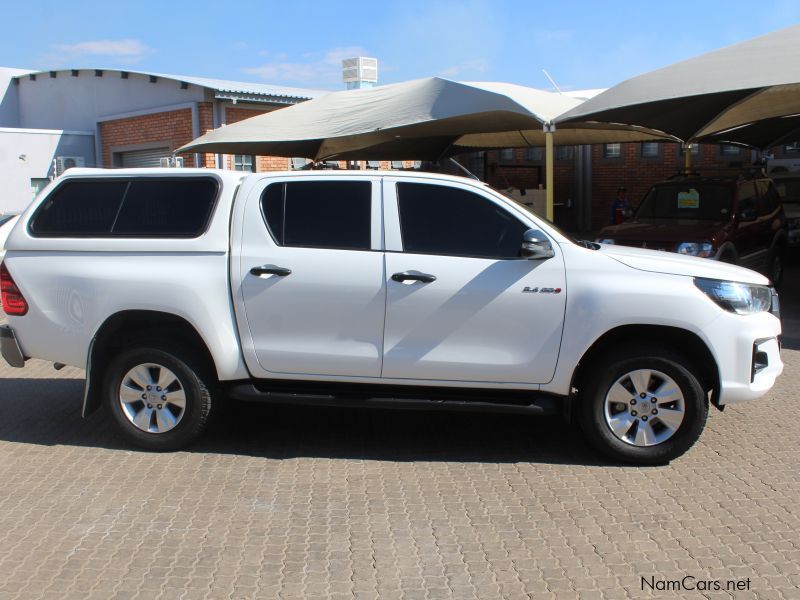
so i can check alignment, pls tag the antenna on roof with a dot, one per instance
(551, 80)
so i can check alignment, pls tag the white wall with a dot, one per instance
(9, 101)
(27, 154)
(84, 99)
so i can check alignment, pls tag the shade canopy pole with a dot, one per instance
(687, 158)
(549, 129)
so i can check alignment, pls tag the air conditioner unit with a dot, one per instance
(67, 162)
(171, 161)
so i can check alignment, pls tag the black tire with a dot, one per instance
(609, 368)
(193, 378)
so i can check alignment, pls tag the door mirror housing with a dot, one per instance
(535, 246)
(746, 215)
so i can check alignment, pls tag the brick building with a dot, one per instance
(115, 118)
(587, 177)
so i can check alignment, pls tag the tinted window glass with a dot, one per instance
(770, 200)
(140, 207)
(436, 219)
(80, 208)
(320, 214)
(788, 189)
(748, 200)
(166, 208)
(692, 200)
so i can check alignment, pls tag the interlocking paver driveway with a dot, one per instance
(301, 503)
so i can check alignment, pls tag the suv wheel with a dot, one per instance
(158, 397)
(642, 405)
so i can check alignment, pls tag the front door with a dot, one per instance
(461, 303)
(312, 281)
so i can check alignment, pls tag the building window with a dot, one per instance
(38, 184)
(793, 148)
(612, 150)
(651, 149)
(729, 150)
(244, 162)
(695, 149)
(507, 154)
(564, 152)
(534, 153)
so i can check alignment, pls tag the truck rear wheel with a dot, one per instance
(642, 405)
(158, 397)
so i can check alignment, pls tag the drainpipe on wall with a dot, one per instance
(196, 129)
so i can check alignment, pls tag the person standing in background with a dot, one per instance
(621, 207)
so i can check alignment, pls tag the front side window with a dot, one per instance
(770, 200)
(436, 219)
(319, 214)
(177, 207)
(748, 199)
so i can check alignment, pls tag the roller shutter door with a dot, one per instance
(143, 158)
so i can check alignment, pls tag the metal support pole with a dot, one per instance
(548, 168)
(687, 158)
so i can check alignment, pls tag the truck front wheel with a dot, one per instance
(158, 397)
(642, 405)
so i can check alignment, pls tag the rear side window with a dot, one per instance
(167, 208)
(320, 214)
(436, 219)
(175, 207)
(80, 208)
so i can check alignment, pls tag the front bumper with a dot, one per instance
(748, 355)
(9, 347)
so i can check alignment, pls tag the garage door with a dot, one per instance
(143, 158)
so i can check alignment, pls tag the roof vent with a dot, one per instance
(360, 72)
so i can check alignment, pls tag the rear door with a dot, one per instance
(312, 279)
(476, 311)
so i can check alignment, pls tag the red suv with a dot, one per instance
(735, 220)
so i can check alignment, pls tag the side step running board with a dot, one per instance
(537, 405)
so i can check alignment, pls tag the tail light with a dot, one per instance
(13, 301)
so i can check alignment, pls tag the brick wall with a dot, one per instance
(637, 173)
(629, 170)
(172, 128)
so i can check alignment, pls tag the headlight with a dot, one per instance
(703, 250)
(739, 298)
(605, 241)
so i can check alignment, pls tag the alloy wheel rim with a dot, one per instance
(152, 398)
(644, 407)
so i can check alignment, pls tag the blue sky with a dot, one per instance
(581, 44)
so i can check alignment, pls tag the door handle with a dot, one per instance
(413, 276)
(270, 270)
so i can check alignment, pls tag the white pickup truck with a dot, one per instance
(178, 288)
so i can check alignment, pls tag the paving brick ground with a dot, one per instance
(302, 503)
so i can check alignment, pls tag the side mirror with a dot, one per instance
(535, 246)
(746, 215)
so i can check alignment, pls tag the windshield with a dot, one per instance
(692, 201)
(789, 189)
